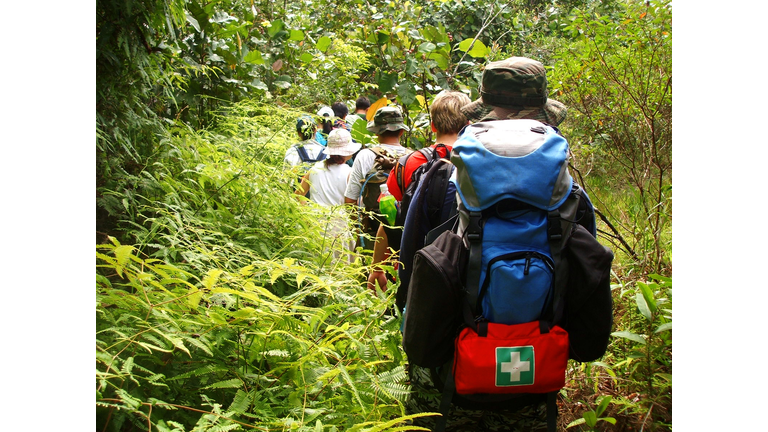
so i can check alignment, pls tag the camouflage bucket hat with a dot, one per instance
(388, 118)
(515, 88)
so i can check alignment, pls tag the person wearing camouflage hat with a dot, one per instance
(388, 126)
(388, 118)
(515, 88)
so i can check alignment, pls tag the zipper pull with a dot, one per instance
(527, 268)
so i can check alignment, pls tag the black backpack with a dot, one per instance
(432, 155)
(430, 208)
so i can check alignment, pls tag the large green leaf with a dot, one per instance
(441, 60)
(386, 81)
(647, 292)
(427, 47)
(323, 43)
(629, 335)
(296, 35)
(406, 90)
(276, 27)
(476, 50)
(253, 57)
(642, 305)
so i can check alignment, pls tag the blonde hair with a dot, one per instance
(446, 111)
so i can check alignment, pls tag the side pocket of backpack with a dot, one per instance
(588, 314)
(433, 306)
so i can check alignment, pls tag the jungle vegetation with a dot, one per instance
(218, 305)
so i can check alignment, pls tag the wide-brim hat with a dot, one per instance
(388, 118)
(340, 143)
(515, 88)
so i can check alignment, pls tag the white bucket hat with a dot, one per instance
(340, 143)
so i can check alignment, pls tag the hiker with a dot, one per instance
(326, 120)
(309, 150)
(361, 107)
(327, 179)
(447, 120)
(326, 182)
(515, 88)
(365, 184)
(340, 111)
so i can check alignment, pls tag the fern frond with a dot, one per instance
(205, 370)
(230, 383)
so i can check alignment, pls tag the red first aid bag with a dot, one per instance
(517, 358)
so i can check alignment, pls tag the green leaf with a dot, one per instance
(591, 418)
(296, 35)
(610, 420)
(306, 58)
(643, 306)
(441, 60)
(407, 92)
(476, 49)
(123, 254)
(575, 423)
(664, 327)
(427, 47)
(276, 27)
(382, 37)
(323, 43)
(254, 57)
(658, 277)
(648, 294)
(387, 81)
(212, 277)
(192, 21)
(603, 405)
(629, 335)
(230, 383)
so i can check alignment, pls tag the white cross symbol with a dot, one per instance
(514, 366)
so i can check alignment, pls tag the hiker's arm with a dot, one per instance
(380, 254)
(303, 187)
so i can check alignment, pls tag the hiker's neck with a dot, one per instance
(447, 139)
(389, 140)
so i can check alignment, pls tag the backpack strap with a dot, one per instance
(474, 234)
(552, 412)
(302, 153)
(304, 156)
(556, 228)
(449, 389)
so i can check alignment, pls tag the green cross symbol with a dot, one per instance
(514, 366)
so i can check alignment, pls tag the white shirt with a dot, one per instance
(363, 163)
(327, 184)
(312, 147)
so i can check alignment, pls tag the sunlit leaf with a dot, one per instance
(629, 335)
(474, 47)
(647, 292)
(642, 305)
(323, 43)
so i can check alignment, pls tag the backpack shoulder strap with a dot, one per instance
(399, 168)
(302, 153)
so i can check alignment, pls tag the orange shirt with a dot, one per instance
(413, 162)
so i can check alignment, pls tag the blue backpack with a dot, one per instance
(523, 250)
